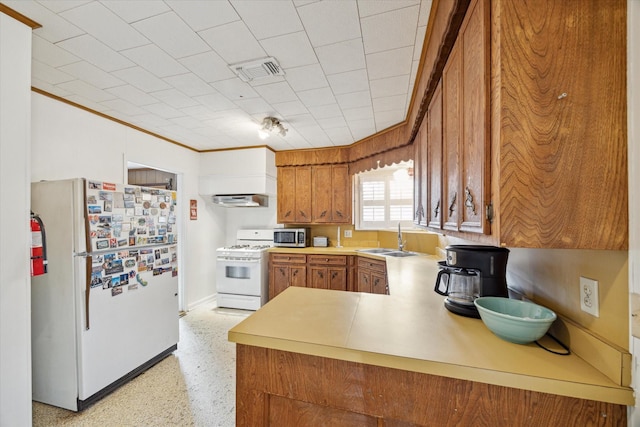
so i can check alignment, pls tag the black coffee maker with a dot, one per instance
(469, 272)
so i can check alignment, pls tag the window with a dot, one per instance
(384, 197)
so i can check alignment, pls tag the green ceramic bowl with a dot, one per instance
(516, 321)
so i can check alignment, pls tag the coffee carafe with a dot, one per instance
(469, 272)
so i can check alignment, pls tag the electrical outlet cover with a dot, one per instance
(347, 233)
(589, 299)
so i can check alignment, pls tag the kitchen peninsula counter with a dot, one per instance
(410, 330)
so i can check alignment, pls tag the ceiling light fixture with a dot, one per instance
(271, 124)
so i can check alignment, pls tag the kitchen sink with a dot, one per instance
(379, 251)
(387, 252)
(399, 254)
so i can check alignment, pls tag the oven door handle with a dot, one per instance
(243, 260)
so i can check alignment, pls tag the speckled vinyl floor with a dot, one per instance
(194, 386)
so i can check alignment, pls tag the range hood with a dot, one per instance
(241, 200)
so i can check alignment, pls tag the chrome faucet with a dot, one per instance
(400, 242)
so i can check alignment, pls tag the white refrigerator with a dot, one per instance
(107, 309)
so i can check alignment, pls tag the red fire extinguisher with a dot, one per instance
(38, 246)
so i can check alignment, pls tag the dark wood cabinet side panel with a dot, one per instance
(406, 398)
(285, 412)
(563, 124)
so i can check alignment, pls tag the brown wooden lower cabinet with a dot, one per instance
(371, 276)
(279, 388)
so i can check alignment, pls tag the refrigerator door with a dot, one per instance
(128, 325)
(54, 295)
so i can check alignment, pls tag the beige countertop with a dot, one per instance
(411, 330)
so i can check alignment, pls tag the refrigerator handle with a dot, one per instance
(87, 282)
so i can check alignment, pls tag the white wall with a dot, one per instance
(15, 293)
(68, 142)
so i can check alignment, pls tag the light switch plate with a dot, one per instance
(347, 233)
(589, 299)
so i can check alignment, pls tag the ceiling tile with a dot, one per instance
(56, 28)
(91, 74)
(291, 50)
(86, 90)
(142, 79)
(387, 119)
(50, 54)
(307, 77)
(389, 103)
(301, 121)
(390, 30)
(204, 14)
(290, 108)
(358, 113)
(133, 11)
(425, 10)
(209, 66)
(80, 100)
(235, 89)
(105, 26)
(389, 86)
(391, 63)
(368, 7)
(49, 74)
(332, 123)
(49, 88)
(313, 97)
(172, 35)
(95, 52)
(155, 60)
(350, 81)
(123, 107)
(340, 135)
(215, 102)
(326, 111)
(341, 57)
(417, 50)
(276, 92)
(330, 22)
(239, 44)
(58, 6)
(255, 106)
(268, 18)
(175, 98)
(189, 84)
(354, 99)
(163, 110)
(132, 95)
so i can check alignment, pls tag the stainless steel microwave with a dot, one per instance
(291, 237)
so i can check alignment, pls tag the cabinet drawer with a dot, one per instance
(327, 259)
(289, 258)
(373, 264)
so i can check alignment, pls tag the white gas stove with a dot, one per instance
(242, 274)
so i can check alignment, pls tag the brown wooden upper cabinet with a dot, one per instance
(465, 79)
(314, 194)
(294, 195)
(533, 134)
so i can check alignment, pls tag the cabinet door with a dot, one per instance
(418, 183)
(278, 279)
(298, 275)
(451, 100)
(303, 194)
(341, 194)
(337, 278)
(318, 277)
(379, 283)
(364, 280)
(474, 152)
(433, 168)
(322, 194)
(286, 195)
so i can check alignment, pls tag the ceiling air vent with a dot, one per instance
(257, 69)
